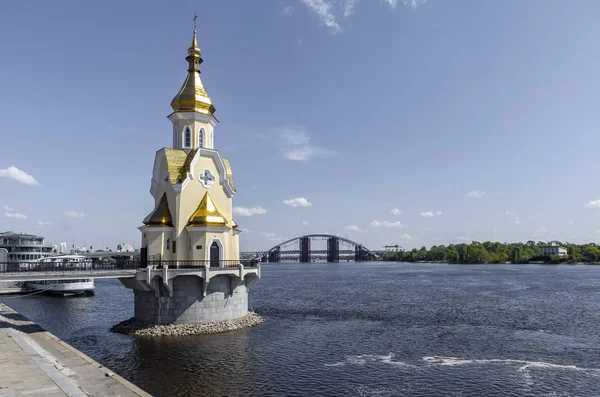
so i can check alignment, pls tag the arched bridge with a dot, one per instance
(299, 248)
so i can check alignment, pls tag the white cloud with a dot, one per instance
(405, 237)
(516, 219)
(9, 209)
(299, 41)
(353, 228)
(249, 211)
(478, 194)
(18, 175)
(14, 215)
(593, 204)
(387, 224)
(289, 11)
(42, 224)
(304, 223)
(414, 4)
(305, 153)
(271, 236)
(396, 211)
(329, 10)
(349, 7)
(323, 9)
(244, 230)
(464, 239)
(297, 202)
(541, 229)
(430, 214)
(294, 143)
(75, 214)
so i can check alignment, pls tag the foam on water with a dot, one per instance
(370, 358)
(524, 364)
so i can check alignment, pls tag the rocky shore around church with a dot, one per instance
(145, 330)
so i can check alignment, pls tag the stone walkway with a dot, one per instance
(34, 362)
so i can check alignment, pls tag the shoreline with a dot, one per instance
(145, 330)
(36, 361)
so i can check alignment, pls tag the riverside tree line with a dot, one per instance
(494, 252)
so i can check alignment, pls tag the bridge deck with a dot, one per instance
(36, 271)
(74, 275)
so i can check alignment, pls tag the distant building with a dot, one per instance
(392, 248)
(63, 248)
(3, 258)
(24, 247)
(124, 247)
(554, 250)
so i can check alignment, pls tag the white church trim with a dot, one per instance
(212, 120)
(221, 248)
(207, 229)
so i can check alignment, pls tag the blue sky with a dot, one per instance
(409, 122)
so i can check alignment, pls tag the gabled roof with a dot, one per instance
(228, 172)
(178, 164)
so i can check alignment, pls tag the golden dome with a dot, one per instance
(192, 96)
(161, 216)
(207, 214)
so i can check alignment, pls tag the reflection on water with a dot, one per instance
(371, 329)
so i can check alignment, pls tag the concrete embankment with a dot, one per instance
(140, 329)
(34, 362)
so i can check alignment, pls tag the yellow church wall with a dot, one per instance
(155, 242)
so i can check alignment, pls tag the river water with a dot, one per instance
(363, 329)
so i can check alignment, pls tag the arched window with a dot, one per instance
(201, 138)
(187, 138)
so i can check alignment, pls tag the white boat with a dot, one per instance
(83, 286)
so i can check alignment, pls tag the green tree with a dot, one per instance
(451, 255)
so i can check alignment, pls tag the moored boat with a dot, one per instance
(62, 287)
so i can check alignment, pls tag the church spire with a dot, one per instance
(192, 97)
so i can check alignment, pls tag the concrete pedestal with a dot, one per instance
(182, 296)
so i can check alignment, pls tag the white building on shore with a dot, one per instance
(553, 249)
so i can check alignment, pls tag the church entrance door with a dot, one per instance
(214, 254)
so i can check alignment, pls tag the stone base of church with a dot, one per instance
(226, 299)
(145, 330)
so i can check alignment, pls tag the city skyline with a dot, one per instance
(410, 122)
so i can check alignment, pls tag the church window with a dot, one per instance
(187, 138)
(201, 138)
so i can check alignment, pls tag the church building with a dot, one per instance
(192, 184)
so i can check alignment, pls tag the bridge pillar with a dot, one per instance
(305, 249)
(361, 254)
(275, 255)
(333, 249)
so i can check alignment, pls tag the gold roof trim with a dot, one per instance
(207, 214)
(161, 216)
(192, 97)
(228, 172)
(178, 164)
